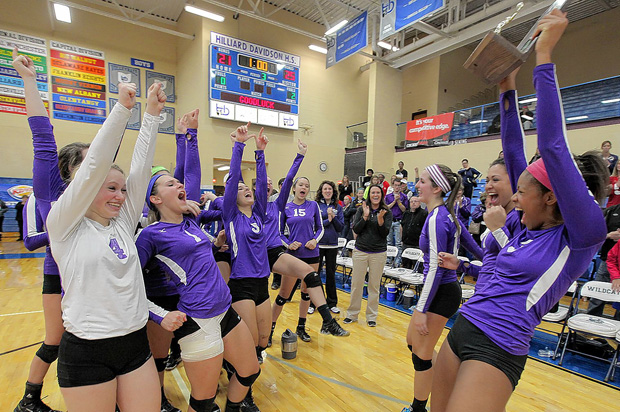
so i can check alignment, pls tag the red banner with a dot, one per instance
(77, 58)
(430, 128)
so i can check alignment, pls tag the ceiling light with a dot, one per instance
(204, 13)
(610, 101)
(223, 168)
(384, 45)
(62, 12)
(533, 99)
(318, 49)
(337, 27)
(576, 118)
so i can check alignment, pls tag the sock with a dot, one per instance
(163, 395)
(232, 406)
(273, 326)
(418, 406)
(325, 314)
(301, 323)
(32, 393)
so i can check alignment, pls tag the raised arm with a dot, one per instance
(238, 137)
(75, 201)
(581, 213)
(288, 181)
(180, 137)
(25, 68)
(192, 171)
(260, 204)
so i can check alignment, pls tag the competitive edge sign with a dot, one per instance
(399, 14)
(348, 40)
(429, 131)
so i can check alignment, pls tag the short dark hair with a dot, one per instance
(281, 181)
(371, 171)
(464, 160)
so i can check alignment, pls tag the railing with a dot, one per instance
(356, 135)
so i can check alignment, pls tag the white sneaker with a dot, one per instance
(310, 310)
(335, 309)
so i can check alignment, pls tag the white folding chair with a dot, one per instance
(346, 263)
(614, 361)
(561, 316)
(597, 326)
(392, 252)
(415, 255)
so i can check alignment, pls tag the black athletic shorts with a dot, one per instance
(228, 323)
(254, 289)
(222, 257)
(51, 285)
(167, 302)
(310, 260)
(468, 342)
(274, 254)
(84, 362)
(447, 300)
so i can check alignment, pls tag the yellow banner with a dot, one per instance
(16, 100)
(78, 76)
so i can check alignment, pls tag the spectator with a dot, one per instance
(614, 190)
(613, 267)
(374, 180)
(469, 175)
(405, 189)
(402, 173)
(271, 192)
(610, 158)
(369, 174)
(463, 207)
(349, 214)
(20, 217)
(477, 216)
(383, 183)
(397, 204)
(412, 224)
(495, 125)
(3, 209)
(345, 188)
(535, 157)
(527, 118)
(347, 218)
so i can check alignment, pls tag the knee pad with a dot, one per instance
(410, 348)
(313, 280)
(48, 353)
(203, 405)
(201, 345)
(305, 296)
(248, 380)
(160, 364)
(421, 365)
(280, 301)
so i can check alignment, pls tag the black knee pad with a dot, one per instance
(160, 364)
(48, 353)
(248, 380)
(305, 296)
(313, 280)
(280, 301)
(421, 365)
(410, 348)
(204, 405)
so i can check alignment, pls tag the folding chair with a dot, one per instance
(392, 251)
(562, 316)
(346, 263)
(467, 289)
(410, 277)
(593, 325)
(614, 361)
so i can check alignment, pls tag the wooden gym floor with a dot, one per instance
(370, 370)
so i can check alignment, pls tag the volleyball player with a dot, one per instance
(482, 359)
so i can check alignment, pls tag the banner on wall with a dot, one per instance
(11, 84)
(78, 83)
(136, 115)
(122, 74)
(399, 14)
(167, 84)
(167, 122)
(348, 40)
(429, 131)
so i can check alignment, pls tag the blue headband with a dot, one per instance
(150, 189)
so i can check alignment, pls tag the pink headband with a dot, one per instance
(438, 177)
(539, 171)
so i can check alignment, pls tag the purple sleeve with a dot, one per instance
(179, 168)
(260, 204)
(208, 216)
(282, 226)
(230, 194)
(513, 137)
(318, 223)
(471, 270)
(338, 221)
(34, 234)
(288, 183)
(438, 240)
(478, 213)
(192, 166)
(583, 219)
(46, 181)
(466, 208)
(469, 243)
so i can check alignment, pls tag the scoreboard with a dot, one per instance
(249, 82)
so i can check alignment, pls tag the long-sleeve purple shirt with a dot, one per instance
(275, 208)
(331, 230)
(246, 235)
(304, 223)
(516, 296)
(397, 214)
(439, 234)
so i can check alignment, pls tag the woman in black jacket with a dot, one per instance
(412, 224)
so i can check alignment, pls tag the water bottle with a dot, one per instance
(545, 353)
(289, 344)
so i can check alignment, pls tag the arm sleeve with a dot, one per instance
(285, 240)
(192, 169)
(469, 243)
(338, 220)
(471, 270)
(612, 262)
(359, 224)
(34, 235)
(318, 223)
(466, 208)
(384, 229)
(513, 137)
(583, 218)
(437, 242)
(288, 183)
(260, 204)
(230, 194)
(156, 313)
(208, 216)
(70, 208)
(478, 214)
(146, 251)
(179, 167)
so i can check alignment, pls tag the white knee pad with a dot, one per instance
(205, 343)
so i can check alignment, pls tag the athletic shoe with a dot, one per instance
(259, 356)
(346, 321)
(270, 341)
(36, 406)
(407, 409)
(172, 361)
(275, 286)
(303, 335)
(215, 408)
(166, 406)
(311, 310)
(371, 323)
(333, 328)
(248, 405)
(335, 309)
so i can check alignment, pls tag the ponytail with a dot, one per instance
(455, 182)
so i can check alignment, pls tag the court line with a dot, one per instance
(23, 347)
(22, 255)
(337, 382)
(20, 313)
(181, 384)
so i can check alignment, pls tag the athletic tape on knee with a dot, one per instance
(280, 301)
(204, 405)
(305, 296)
(48, 353)
(313, 280)
(201, 346)
(421, 365)
(248, 380)
(160, 364)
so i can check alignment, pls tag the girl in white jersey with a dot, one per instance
(104, 357)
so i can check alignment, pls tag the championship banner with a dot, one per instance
(399, 14)
(167, 84)
(167, 120)
(136, 115)
(429, 131)
(123, 74)
(78, 83)
(348, 40)
(11, 84)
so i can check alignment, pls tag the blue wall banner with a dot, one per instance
(348, 40)
(136, 115)
(122, 74)
(142, 63)
(399, 14)
(167, 120)
(167, 84)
